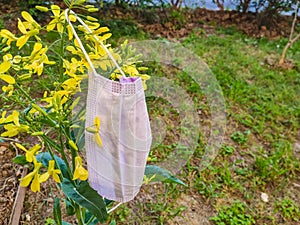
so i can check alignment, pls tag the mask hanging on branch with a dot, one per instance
(118, 135)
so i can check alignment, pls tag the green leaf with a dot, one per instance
(69, 207)
(45, 157)
(161, 175)
(66, 223)
(107, 201)
(86, 197)
(57, 212)
(20, 159)
(88, 217)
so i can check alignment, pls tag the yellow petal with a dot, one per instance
(21, 147)
(83, 173)
(14, 117)
(101, 30)
(25, 181)
(7, 78)
(55, 9)
(56, 178)
(4, 66)
(44, 177)
(27, 17)
(97, 122)
(7, 57)
(51, 165)
(145, 77)
(22, 41)
(9, 88)
(60, 27)
(35, 184)
(98, 140)
(22, 27)
(51, 25)
(37, 47)
(7, 34)
(70, 32)
(76, 174)
(12, 130)
(35, 148)
(106, 36)
(72, 18)
(92, 25)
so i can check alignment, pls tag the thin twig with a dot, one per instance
(291, 39)
(18, 204)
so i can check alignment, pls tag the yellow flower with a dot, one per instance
(4, 67)
(72, 85)
(71, 68)
(9, 89)
(28, 28)
(32, 177)
(58, 19)
(2, 119)
(80, 172)
(77, 51)
(37, 59)
(30, 154)
(95, 129)
(14, 117)
(9, 37)
(12, 129)
(57, 99)
(51, 172)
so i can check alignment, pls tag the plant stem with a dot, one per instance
(78, 215)
(49, 141)
(24, 93)
(61, 62)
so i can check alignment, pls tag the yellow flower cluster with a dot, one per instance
(35, 178)
(12, 124)
(34, 61)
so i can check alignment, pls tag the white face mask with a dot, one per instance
(116, 169)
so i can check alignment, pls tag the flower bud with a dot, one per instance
(42, 8)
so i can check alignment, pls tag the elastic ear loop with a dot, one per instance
(96, 38)
(90, 62)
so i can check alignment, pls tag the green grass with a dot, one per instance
(263, 117)
(263, 110)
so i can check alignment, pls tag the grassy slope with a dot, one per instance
(258, 153)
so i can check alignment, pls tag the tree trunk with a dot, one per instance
(220, 4)
(291, 39)
(245, 5)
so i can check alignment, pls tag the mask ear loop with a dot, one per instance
(67, 11)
